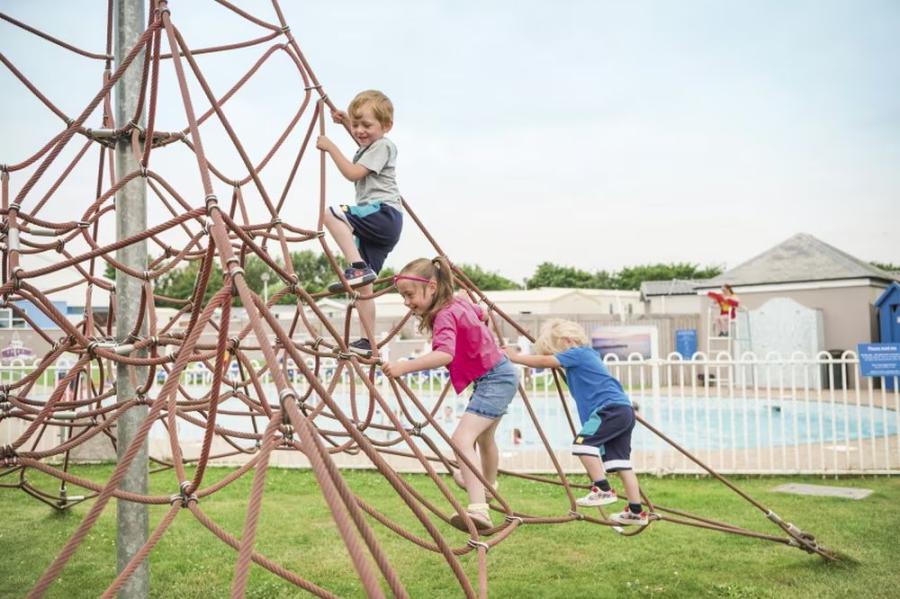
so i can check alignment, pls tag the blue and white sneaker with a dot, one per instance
(355, 277)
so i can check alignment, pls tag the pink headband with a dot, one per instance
(409, 278)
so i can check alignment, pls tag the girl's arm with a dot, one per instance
(434, 359)
(531, 360)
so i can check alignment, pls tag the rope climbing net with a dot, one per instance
(305, 417)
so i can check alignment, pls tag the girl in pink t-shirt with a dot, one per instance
(461, 341)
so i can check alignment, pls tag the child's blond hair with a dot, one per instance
(381, 105)
(558, 335)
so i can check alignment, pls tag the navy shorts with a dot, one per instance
(376, 226)
(607, 435)
(493, 390)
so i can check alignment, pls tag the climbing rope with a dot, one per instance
(305, 418)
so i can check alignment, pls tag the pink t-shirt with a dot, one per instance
(459, 331)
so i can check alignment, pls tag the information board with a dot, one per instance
(879, 359)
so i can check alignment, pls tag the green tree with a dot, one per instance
(631, 277)
(553, 275)
(487, 280)
(179, 283)
(886, 266)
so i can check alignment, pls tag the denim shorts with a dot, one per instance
(493, 390)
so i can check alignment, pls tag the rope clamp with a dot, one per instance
(576, 515)
(211, 200)
(182, 494)
(285, 28)
(515, 519)
(478, 545)
(83, 224)
(285, 393)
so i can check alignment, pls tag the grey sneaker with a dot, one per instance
(361, 347)
(355, 277)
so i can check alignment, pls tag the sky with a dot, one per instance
(592, 134)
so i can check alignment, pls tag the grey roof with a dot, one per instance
(670, 287)
(802, 258)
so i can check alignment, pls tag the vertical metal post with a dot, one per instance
(131, 218)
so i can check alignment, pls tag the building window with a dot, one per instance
(630, 309)
(611, 309)
(9, 321)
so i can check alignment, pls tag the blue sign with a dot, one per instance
(879, 359)
(686, 342)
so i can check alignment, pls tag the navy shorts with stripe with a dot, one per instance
(376, 226)
(607, 435)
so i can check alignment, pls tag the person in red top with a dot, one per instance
(461, 341)
(728, 303)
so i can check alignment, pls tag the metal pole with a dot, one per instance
(131, 218)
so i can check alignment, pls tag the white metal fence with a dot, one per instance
(767, 415)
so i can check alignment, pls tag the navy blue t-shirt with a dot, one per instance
(590, 383)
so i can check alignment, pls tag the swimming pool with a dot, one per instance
(696, 423)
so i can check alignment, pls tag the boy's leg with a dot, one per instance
(366, 309)
(593, 466)
(632, 488)
(342, 233)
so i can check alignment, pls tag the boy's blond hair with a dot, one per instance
(557, 335)
(381, 105)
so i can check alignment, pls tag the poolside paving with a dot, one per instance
(824, 491)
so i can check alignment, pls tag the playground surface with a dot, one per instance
(569, 560)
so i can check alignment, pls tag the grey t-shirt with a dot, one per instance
(380, 157)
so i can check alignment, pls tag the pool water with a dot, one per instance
(694, 423)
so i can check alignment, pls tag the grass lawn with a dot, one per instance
(566, 560)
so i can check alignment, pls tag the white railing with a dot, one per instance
(769, 415)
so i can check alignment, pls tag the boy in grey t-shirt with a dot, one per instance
(368, 231)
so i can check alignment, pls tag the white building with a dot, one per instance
(544, 300)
